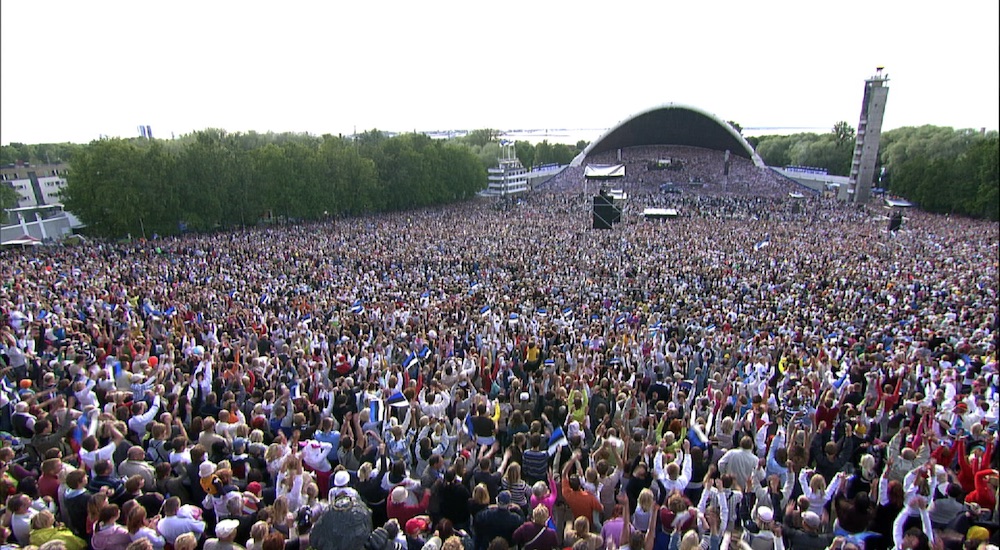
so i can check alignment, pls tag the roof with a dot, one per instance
(673, 124)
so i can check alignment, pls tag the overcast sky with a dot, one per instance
(72, 71)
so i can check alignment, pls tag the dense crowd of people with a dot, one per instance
(495, 375)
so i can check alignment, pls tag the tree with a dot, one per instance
(8, 196)
(736, 126)
(844, 133)
(525, 153)
(482, 137)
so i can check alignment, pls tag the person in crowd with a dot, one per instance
(446, 363)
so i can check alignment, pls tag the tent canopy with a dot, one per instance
(604, 172)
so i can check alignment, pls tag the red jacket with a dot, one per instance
(984, 495)
(403, 512)
(968, 469)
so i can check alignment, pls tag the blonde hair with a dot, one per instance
(280, 509)
(817, 483)
(273, 452)
(480, 494)
(868, 465)
(690, 541)
(540, 515)
(646, 500)
(259, 530)
(581, 527)
(186, 542)
(513, 474)
(43, 520)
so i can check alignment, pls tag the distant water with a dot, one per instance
(571, 136)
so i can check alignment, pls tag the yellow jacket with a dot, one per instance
(72, 542)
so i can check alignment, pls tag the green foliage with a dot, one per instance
(212, 179)
(939, 168)
(482, 137)
(844, 133)
(525, 153)
(968, 183)
(8, 196)
(736, 126)
(832, 151)
(42, 153)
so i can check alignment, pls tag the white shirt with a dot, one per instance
(102, 453)
(175, 526)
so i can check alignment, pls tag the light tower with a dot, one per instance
(868, 136)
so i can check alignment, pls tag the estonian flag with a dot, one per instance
(357, 308)
(265, 299)
(473, 287)
(411, 361)
(424, 352)
(620, 319)
(397, 399)
(761, 244)
(655, 328)
(377, 410)
(514, 317)
(567, 312)
(468, 427)
(485, 310)
(556, 441)
(550, 363)
(542, 312)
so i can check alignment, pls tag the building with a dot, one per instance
(859, 188)
(36, 185)
(509, 177)
(39, 211)
(672, 124)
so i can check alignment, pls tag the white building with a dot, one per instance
(39, 211)
(509, 177)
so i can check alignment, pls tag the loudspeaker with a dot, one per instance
(605, 213)
(895, 222)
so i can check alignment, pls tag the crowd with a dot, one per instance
(703, 167)
(495, 375)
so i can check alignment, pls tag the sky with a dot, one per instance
(74, 71)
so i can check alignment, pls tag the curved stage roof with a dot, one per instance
(673, 124)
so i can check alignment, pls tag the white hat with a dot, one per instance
(811, 519)
(226, 527)
(398, 494)
(341, 479)
(765, 513)
(206, 469)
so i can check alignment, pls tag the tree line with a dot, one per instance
(485, 145)
(939, 168)
(213, 180)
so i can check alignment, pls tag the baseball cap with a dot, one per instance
(503, 497)
(415, 525)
